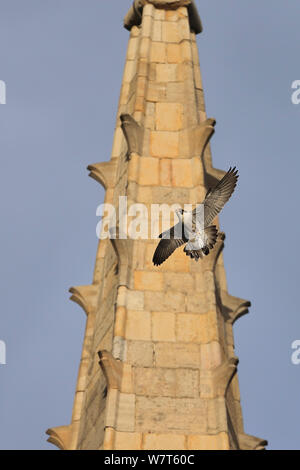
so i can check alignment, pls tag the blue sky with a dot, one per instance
(62, 61)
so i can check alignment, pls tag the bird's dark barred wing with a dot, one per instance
(170, 240)
(216, 199)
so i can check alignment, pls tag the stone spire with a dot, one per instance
(158, 368)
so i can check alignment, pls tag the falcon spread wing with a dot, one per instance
(170, 240)
(216, 199)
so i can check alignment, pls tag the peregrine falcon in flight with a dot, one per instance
(199, 240)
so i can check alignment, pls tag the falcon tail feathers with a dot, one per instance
(211, 235)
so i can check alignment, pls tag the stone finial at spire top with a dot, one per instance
(134, 15)
(171, 4)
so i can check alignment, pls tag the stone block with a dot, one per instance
(121, 411)
(127, 379)
(198, 78)
(140, 353)
(156, 92)
(172, 15)
(174, 53)
(165, 301)
(163, 326)
(182, 282)
(78, 403)
(165, 172)
(182, 173)
(158, 52)
(175, 93)
(130, 70)
(208, 442)
(167, 73)
(141, 86)
(171, 196)
(198, 303)
(120, 322)
(144, 194)
(164, 441)
(177, 355)
(217, 416)
(183, 28)
(170, 31)
(164, 144)
(149, 171)
(139, 105)
(127, 441)
(144, 280)
(146, 26)
(195, 328)
(132, 48)
(211, 355)
(157, 31)
(187, 383)
(138, 325)
(169, 116)
(175, 415)
(135, 300)
(186, 51)
(155, 382)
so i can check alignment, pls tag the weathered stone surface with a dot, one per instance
(177, 355)
(128, 441)
(208, 442)
(144, 280)
(120, 321)
(161, 301)
(140, 353)
(156, 92)
(155, 382)
(138, 325)
(157, 31)
(120, 411)
(158, 52)
(183, 282)
(164, 415)
(165, 172)
(211, 355)
(170, 32)
(135, 300)
(182, 173)
(166, 73)
(163, 326)
(195, 328)
(174, 53)
(149, 171)
(171, 15)
(181, 383)
(169, 116)
(187, 383)
(217, 416)
(164, 442)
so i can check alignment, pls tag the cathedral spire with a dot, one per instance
(158, 367)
